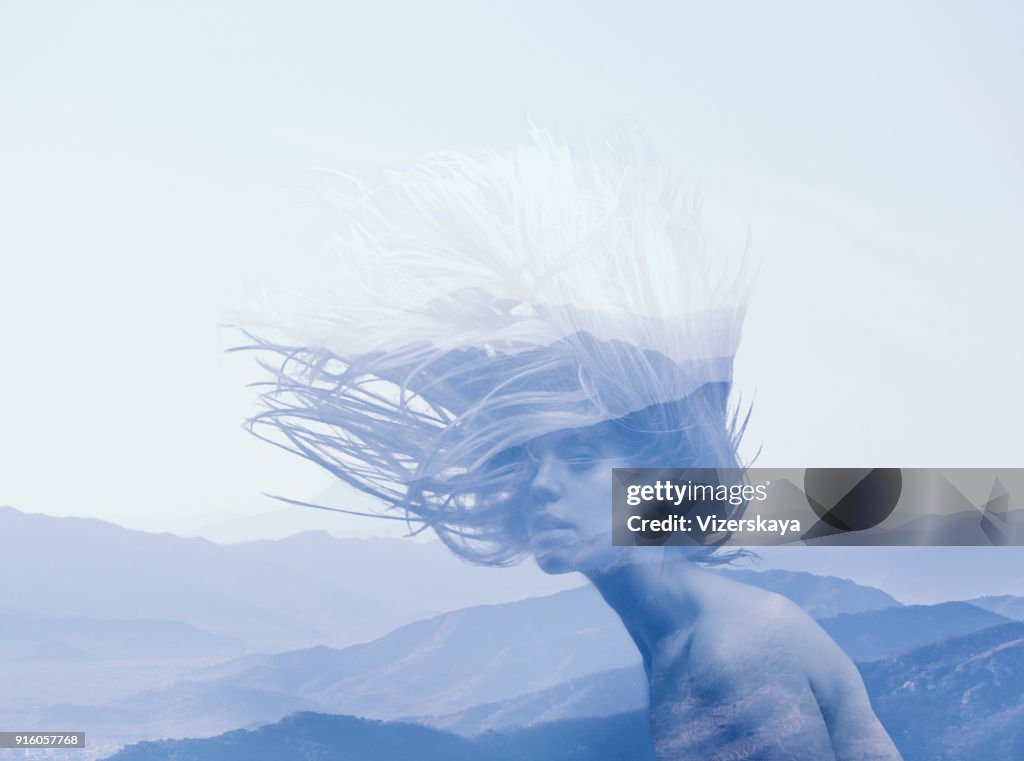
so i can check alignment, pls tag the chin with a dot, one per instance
(567, 558)
(554, 563)
(557, 553)
(571, 559)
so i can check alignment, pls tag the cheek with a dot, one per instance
(598, 483)
(594, 501)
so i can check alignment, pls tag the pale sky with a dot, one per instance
(157, 166)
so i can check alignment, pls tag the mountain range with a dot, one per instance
(131, 635)
(308, 589)
(821, 596)
(1005, 605)
(961, 699)
(869, 635)
(52, 639)
(347, 738)
(482, 668)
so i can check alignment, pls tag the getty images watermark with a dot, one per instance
(818, 506)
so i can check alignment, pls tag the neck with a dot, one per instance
(655, 599)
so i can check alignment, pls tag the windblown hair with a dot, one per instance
(497, 298)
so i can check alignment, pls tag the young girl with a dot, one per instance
(515, 325)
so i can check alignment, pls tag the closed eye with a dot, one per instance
(582, 459)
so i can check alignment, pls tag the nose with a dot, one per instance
(546, 485)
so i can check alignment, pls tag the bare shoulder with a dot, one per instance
(755, 634)
(777, 671)
(736, 683)
(741, 626)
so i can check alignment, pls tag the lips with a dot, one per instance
(552, 537)
(545, 524)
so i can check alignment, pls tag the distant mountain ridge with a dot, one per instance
(1010, 606)
(869, 635)
(961, 699)
(606, 693)
(821, 596)
(305, 590)
(920, 575)
(873, 635)
(537, 662)
(191, 708)
(449, 662)
(26, 639)
(497, 656)
(322, 737)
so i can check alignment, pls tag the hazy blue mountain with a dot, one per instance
(920, 575)
(958, 700)
(487, 653)
(603, 694)
(452, 661)
(444, 664)
(25, 638)
(966, 528)
(318, 737)
(98, 570)
(311, 736)
(821, 596)
(472, 671)
(864, 636)
(961, 699)
(273, 595)
(440, 666)
(624, 737)
(404, 574)
(305, 590)
(1005, 605)
(191, 708)
(881, 634)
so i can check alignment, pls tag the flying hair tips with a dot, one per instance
(492, 298)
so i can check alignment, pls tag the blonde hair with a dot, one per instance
(496, 298)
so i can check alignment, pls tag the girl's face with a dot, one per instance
(568, 501)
